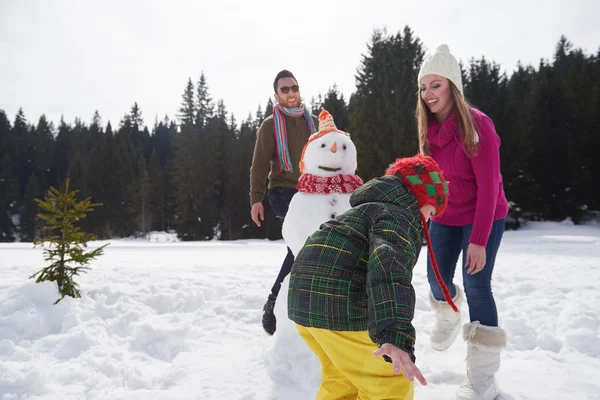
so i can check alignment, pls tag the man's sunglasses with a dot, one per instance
(286, 89)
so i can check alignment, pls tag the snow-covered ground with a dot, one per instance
(161, 319)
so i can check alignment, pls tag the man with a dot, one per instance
(279, 143)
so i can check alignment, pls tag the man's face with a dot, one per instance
(290, 99)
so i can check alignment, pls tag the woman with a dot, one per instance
(463, 141)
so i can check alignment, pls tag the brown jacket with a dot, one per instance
(265, 157)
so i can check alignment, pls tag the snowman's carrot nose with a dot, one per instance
(334, 147)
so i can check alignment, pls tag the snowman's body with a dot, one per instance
(308, 212)
(325, 187)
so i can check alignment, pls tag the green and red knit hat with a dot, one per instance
(423, 177)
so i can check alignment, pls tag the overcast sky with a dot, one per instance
(73, 57)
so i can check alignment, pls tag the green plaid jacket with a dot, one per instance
(355, 272)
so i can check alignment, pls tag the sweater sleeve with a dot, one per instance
(390, 295)
(486, 167)
(261, 161)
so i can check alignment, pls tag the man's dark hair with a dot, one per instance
(283, 74)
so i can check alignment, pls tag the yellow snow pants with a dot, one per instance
(349, 371)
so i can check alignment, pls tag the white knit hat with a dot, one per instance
(444, 64)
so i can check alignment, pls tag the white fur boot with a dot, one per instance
(483, 361)
(447, 323)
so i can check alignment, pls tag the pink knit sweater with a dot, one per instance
(475, 183)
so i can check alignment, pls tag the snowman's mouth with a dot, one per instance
(330, 169)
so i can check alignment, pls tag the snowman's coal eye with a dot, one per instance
(322, 145)
(344, 147)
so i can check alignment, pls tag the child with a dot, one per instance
(350, 290)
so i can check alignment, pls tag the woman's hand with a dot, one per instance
(475, 258)
(401, 362)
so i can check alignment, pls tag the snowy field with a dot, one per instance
(161, 319)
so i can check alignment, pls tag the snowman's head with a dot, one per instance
(329, 154)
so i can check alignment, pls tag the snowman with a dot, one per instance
(328, 166)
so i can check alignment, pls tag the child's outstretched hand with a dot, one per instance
(401, 362)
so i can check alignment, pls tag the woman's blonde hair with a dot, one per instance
(466, 125)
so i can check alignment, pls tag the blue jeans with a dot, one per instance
(280, 198)
(447, 243)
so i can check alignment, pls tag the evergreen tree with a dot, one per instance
(204, 104)
(163, 197)
(485, 88)
(19, 150)
(156, 193)
(268, 108)
(575, 75)
(592, 118)
(198, 170)
(124, 216)
(96, 128)
(81, 140)
(336, 105)
(517, 145)
(187, 110)
(228, 180)
(5, 131)
(552, 137)
(8, 184)
(213, 142)
(221, 110)
(142, 197)
(170, 201)
(67, 241)
(169, 206)
(240, 224)
(77, 173)
(258, 119)
(136, 117)
(163, 137)
(9, 190)
(42, 150)
(62, 154)
(187, 166)
(100, 186)
(140, 137)
(382, 121)
(29, 223)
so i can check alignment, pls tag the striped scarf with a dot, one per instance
(281, 138)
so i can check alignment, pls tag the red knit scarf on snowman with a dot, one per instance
(341, 183)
